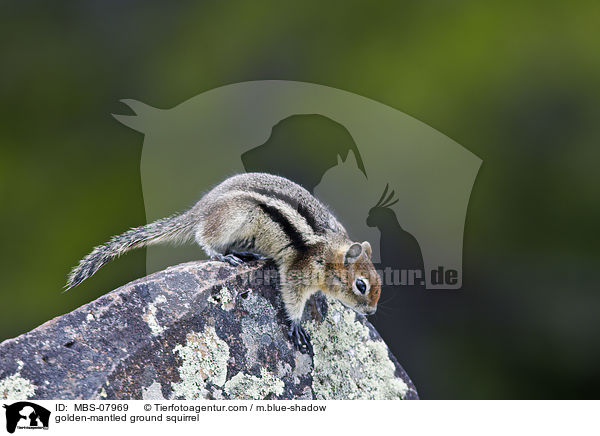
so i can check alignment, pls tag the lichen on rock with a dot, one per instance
(348, 364)
(200, 330)
(150, 316)
(15, 387)
(153, 392)
(204, 358)
(223, 299)
(248, 387)
(259, 325)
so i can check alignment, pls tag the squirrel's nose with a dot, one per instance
(370, 310)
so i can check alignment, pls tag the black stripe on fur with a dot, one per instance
(288, 228)
(294, 204)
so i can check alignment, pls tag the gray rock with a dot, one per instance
(200, 330)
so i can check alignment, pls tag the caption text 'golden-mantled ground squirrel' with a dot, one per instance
(256, 215)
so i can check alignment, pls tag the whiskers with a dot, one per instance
(389, 301)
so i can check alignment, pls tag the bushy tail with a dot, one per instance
(176, 228)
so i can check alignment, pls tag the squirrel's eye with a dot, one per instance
(361, 286)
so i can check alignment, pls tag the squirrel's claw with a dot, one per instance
(231, 259)
(248, 256)
(300, 338)
(238, 258)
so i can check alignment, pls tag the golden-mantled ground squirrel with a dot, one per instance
(255, 215)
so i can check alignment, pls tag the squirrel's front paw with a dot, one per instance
(300, 338)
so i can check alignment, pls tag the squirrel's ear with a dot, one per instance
(367, 247)
(353, 253)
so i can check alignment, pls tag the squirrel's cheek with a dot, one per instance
(374, 295)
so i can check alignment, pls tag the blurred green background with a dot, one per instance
(515, 82)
